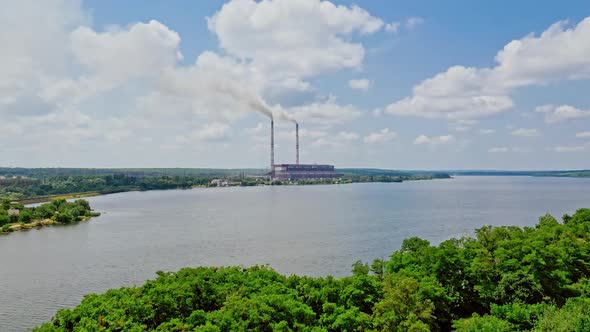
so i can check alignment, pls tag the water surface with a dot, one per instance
(312, 230)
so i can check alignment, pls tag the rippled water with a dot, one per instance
(313, 230)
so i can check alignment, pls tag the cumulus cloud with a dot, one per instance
(555, 114)
(382, 136)
(526, 132)
(434, 140)
(293, 39)
(114, 57)
(34, 48)
(360, 84)
(559, 53)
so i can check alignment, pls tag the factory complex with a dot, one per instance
(297, 171)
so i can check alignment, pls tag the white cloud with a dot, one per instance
(271, 37)
(499, 150)
(392, 27)
(360, 84)
(555, 114)
(347, 136)
(337, 141)
(584, 134)
(35, 44)
(114, 57)
(559, 53)
(486, 131)
(504, 149)
(212, 132)
(578, 148)
(328, 112)
(526, 132)
(434, 140)
(413, 22)
(382, 136)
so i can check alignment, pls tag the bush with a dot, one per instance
(4, 219)
(25, 216)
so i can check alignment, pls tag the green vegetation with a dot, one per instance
(503, 279)
(20, 188)
(16, 216)
(33, 185)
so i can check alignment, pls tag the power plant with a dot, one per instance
(297, 171)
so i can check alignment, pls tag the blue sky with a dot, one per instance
(106, 83)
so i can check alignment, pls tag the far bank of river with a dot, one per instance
(243, 183)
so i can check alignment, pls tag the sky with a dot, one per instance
(386, 84)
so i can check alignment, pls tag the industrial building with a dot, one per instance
(297, 171)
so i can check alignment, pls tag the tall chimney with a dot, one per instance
(297, 143)
(272, 148)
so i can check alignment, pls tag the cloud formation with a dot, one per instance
(360, 84)
(526, 132)
(290, 41)
(559, 53)
(555, 114)
(382, 136)
(434, 140)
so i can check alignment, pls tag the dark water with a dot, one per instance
(313, 230)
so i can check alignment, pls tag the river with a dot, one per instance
(312, 230)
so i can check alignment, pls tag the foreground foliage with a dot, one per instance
(503, 279)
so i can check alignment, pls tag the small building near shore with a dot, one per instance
(219, 183)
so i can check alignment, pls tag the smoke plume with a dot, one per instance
(207, 85)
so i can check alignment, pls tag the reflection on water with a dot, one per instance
(314, 230)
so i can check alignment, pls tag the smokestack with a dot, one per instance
(272, 148)
(296, 143)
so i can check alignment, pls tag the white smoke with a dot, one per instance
(207, 86)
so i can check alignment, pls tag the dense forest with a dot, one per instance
(501, 279)
(57, 211)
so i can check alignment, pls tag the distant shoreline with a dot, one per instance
(79, 195)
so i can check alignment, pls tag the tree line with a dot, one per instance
(501, 279)
(19, 187)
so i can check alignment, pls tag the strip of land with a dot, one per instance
(37, 185)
